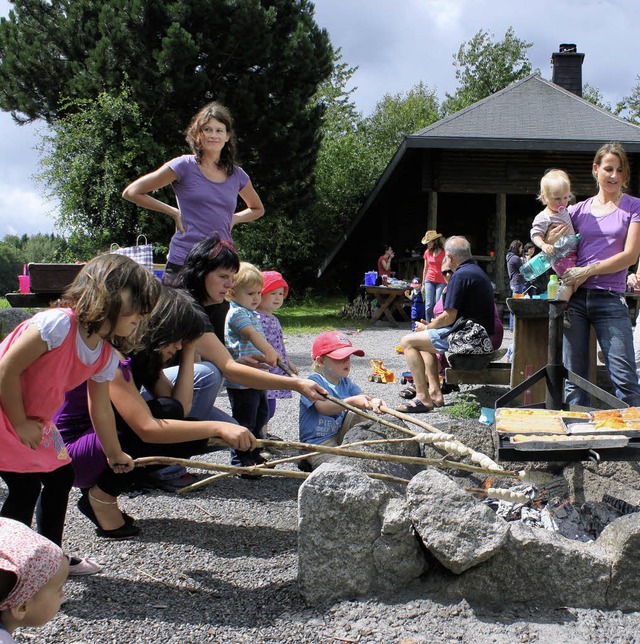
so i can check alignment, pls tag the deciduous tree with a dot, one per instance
(485, 67)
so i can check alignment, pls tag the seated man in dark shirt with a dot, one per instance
(469, 295)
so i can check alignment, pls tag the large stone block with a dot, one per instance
(9, 320)
(458, 530)
(539, 566)
(351, 541)
(621, 539)
(397, 554)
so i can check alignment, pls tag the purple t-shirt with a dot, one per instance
(603, 237)
(206, 206)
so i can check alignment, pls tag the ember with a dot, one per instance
(550, 508)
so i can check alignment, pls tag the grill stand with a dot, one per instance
(555, 373)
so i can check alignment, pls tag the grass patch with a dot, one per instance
(465, 407)
(314, 315)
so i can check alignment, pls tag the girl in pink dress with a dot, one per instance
(49, 354)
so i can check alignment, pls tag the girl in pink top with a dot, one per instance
(432, 274)
(49, 354)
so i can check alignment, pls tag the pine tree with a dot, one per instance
(264, 59)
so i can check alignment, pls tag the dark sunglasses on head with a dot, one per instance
(447, 273)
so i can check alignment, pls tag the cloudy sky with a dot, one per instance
(395, 44)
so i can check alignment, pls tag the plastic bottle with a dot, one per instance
(552, 287)
(541, 263)
(565, 245)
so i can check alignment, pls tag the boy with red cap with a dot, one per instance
(274, 291)
(324, 422)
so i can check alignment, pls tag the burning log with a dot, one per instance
(618, 504)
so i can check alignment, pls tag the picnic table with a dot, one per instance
(47, 283)
(390, 300)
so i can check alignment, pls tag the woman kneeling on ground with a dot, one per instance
(156, 427)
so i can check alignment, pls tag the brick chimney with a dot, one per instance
(567, 68)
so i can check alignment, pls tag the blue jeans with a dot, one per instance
(432, 293)
(609, 315)
(251, 410)
(207, 379)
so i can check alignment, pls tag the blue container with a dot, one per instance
(370, 278)
(158, 273)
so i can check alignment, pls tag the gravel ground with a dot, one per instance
(220, 565)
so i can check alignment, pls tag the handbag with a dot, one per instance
(468, 337)
(141, 253)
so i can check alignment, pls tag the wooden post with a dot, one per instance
(432, 211)
(501, 242)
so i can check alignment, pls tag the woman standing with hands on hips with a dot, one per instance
(206, 183)
(609, 225)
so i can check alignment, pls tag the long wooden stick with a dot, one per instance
(186, 462)
(280, 461)
(452, 445)
(340, 451)
(447, 442)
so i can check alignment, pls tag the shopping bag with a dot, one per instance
(141, 252)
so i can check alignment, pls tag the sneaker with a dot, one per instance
(80, 567)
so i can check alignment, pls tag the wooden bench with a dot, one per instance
(477, 369)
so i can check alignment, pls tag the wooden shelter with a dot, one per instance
(476, 173)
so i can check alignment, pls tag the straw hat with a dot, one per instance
(430, 235)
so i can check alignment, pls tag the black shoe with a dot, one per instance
(304, 465)
(126, 531)
(447, 388)
(258, 459)
(128, 519)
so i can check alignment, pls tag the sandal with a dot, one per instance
(408, 392)
(414, 407)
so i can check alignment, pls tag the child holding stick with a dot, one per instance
(243, 335)
(49, 354)
(324, 422)
(274, 291)
(157, 426)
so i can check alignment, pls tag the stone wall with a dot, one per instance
(359, 536)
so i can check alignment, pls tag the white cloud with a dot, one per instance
(24, 211)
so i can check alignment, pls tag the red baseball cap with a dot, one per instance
(272, 280)
(334, 344)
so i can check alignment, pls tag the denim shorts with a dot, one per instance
(440, 343)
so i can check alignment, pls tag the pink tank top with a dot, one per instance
(44, 384)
